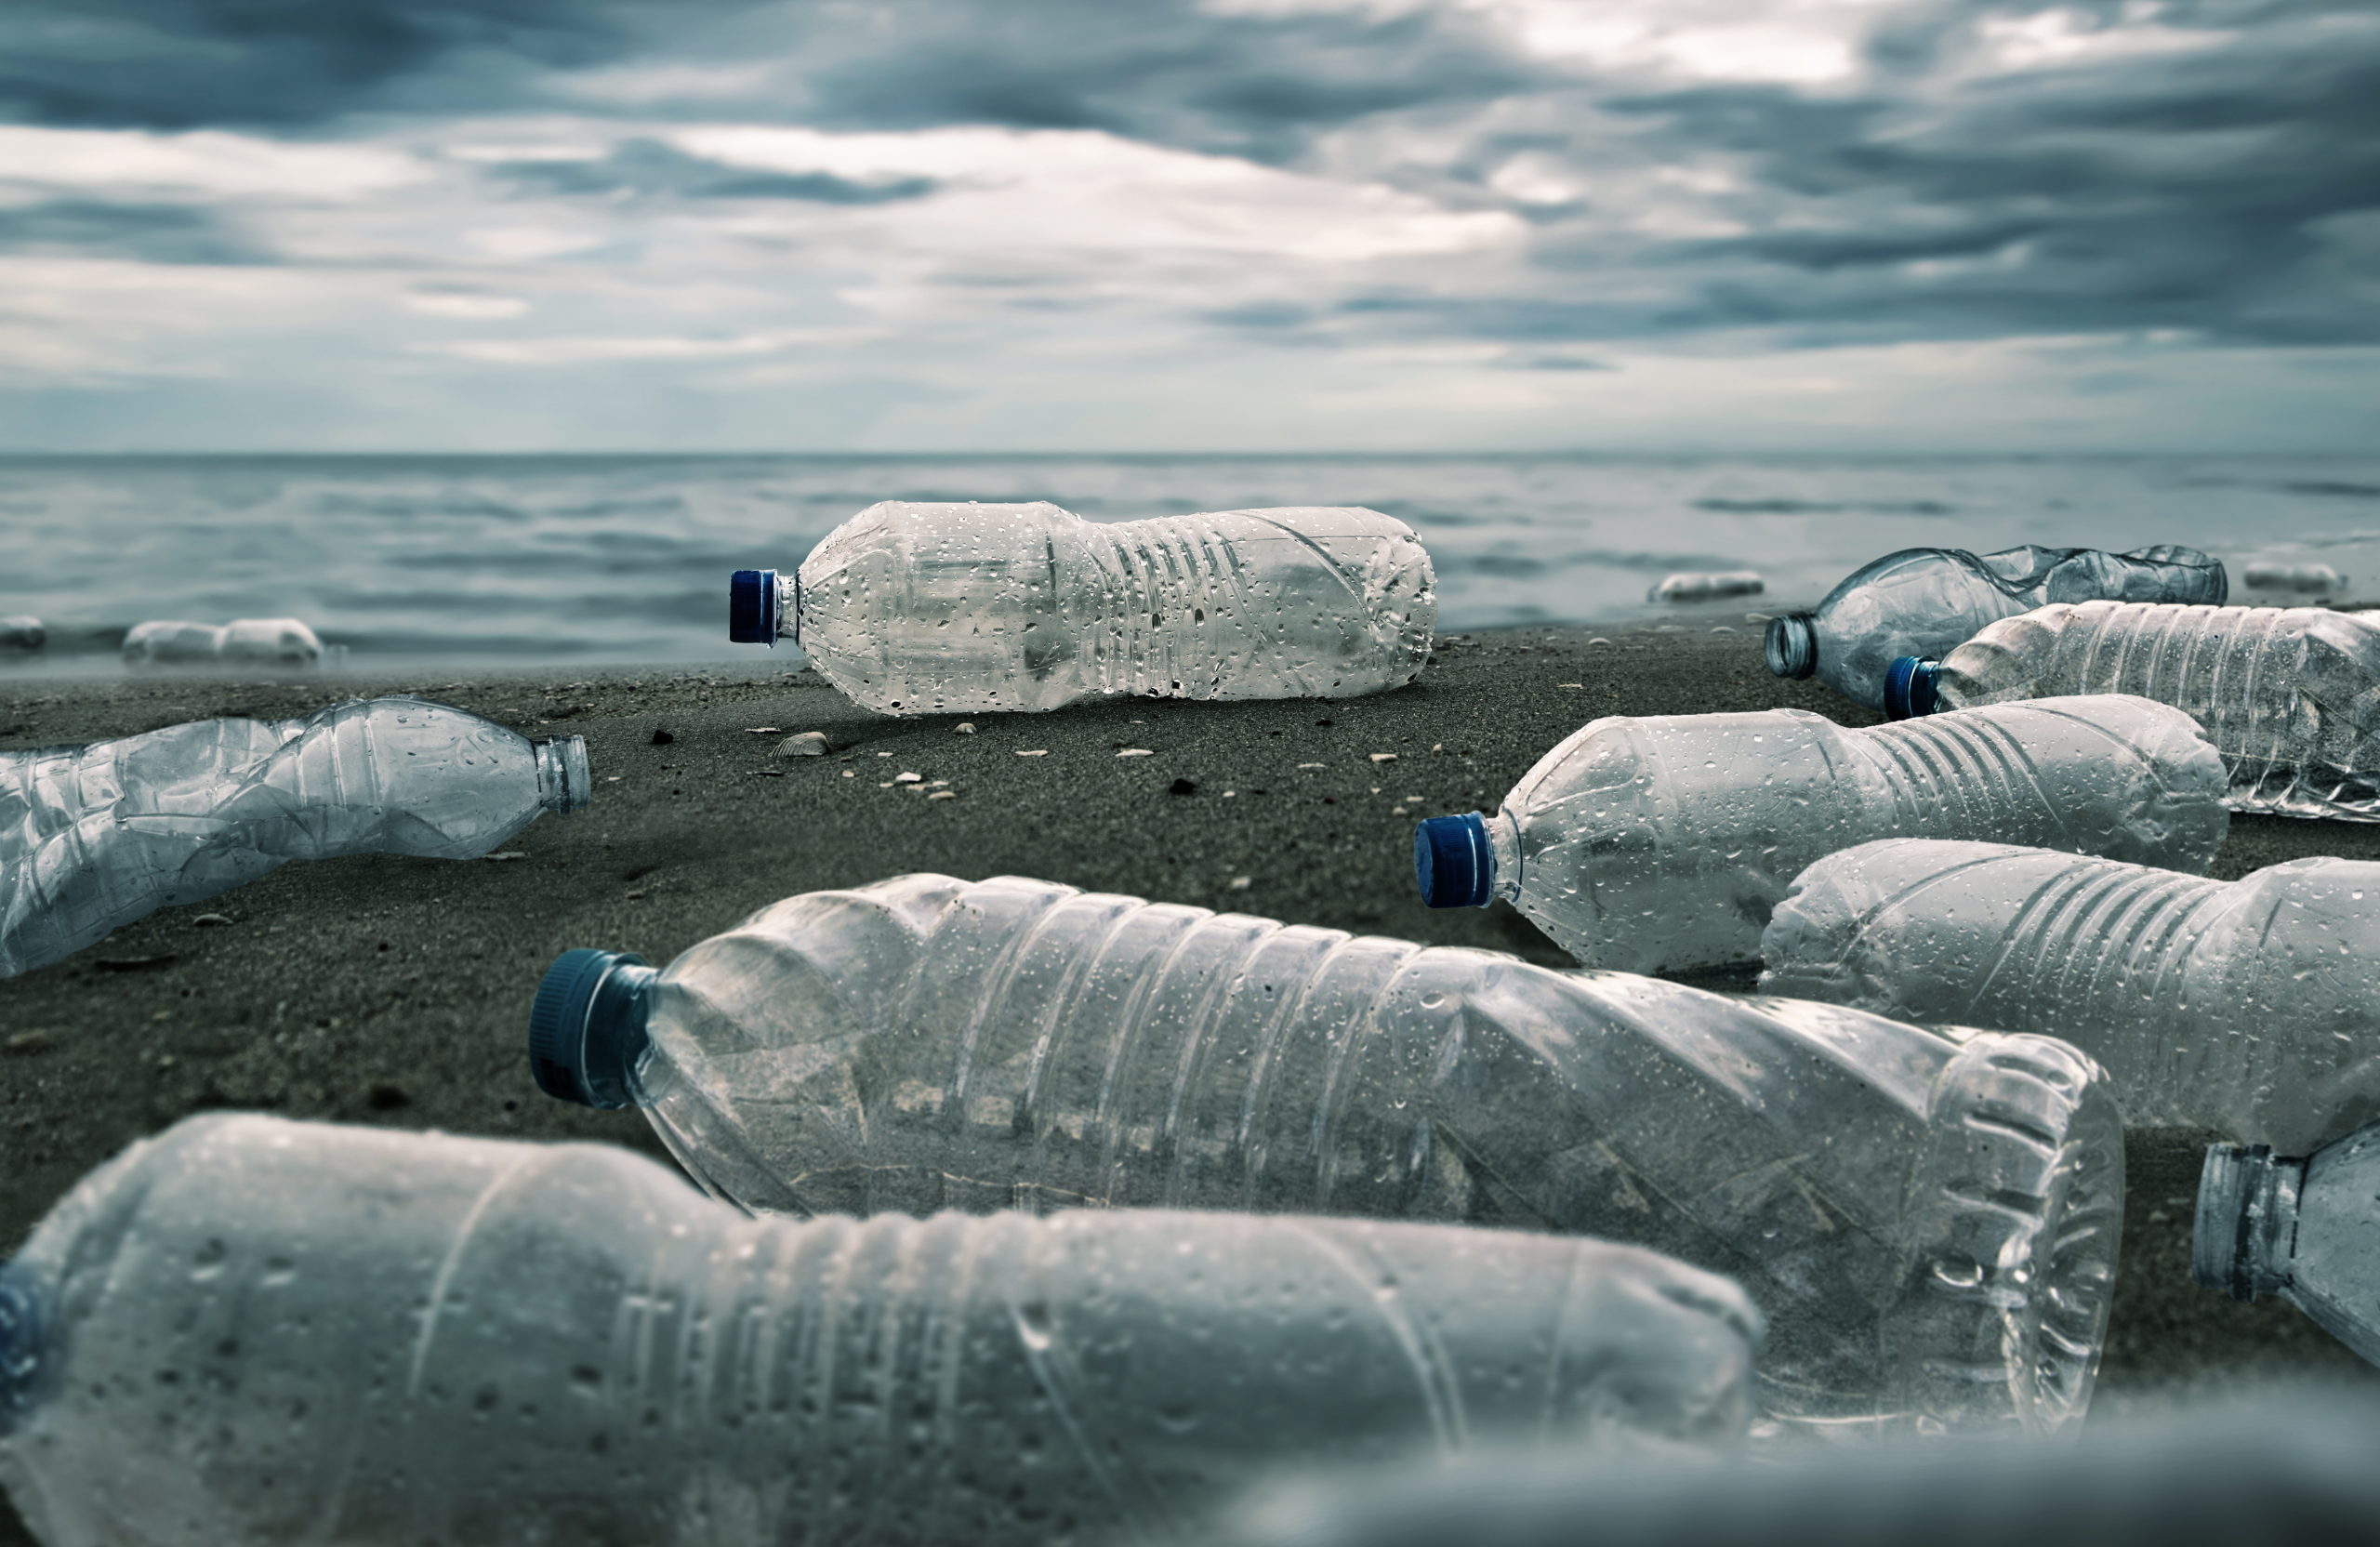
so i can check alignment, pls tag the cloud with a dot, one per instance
(648, 167)
(147, 233)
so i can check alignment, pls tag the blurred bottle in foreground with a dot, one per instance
(920, 609)
(1929, 1220)
(1924, 600)
(2290, 696)
(251, 1332)
(2251, 1007)
(277, 643)
(1655, 845)
(2269, 1466)
(2307, 1230)
(92, 837)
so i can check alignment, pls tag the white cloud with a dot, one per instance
(465, 306)
(1795, 42)
(200, 164)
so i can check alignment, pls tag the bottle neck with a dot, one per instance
(563, 784)
(2245, 1234)
(1791, 645)
(1505, 863)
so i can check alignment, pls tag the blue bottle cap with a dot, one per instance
(753, 606)
(1451, 857)
(1910, 687)
(586, 1026)
(20, 1334)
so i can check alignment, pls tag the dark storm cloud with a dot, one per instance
(646, 167)
(147, 233)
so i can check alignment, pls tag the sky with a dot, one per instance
(1623, 226)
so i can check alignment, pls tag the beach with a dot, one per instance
(395, 991)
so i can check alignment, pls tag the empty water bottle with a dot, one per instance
(914, 609)
(1924, 600)
(282, 642)
(2251, 1007)
(1929, 1220)
(2306, 1230)
(1660, 843)
(2290, 696)
(252, 1332)
(92, 837)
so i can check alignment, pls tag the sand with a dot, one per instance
(396, 991)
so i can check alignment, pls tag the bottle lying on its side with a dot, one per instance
(1924, 600)
(1929, 1220)
(92, 837)
(2307, 1230)
(2289, 696)
(251, 1332)
(1655, 845)
(2251, 1007)
(923, 608)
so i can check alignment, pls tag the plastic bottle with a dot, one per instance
(2306, 1230)
(1924, 600)
(919, 609)
(282, 642)
(2251, 1007)
(926, 1043)
(92, 837)
(252, 1332)
(2290, 696)
(1661, 843)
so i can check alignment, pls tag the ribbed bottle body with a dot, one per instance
(2247, 1007)
(1664, 842)
(94, 837)
(305, 1333)
(926, 1043)
(917, 609)
(2289, 696)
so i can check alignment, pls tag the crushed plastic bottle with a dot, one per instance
(23, 633)
(92, 837)
(2290, 696)
(1928, 1219)
(252, 1332)
(2307, 1230)
(1694, 587)
(285, 643)
(1924, 600)
(920, 609)
(2251, 1007)
(1661, 843)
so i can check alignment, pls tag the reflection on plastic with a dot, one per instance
(917, 609)
(92, 837)
(2283, 1468)
(1659, 843)
(260, 1333)
(1929, 1222)
(2290, 696)
(1924, 600)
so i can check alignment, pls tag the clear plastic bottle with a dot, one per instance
(1661, 843)
(2251, 1007)
(920, 609)
(2290, 696)
(1924, 600)
(251, 1332)
(92, 837)
(1929, 1219)
(2307, 1230)
(286, 643)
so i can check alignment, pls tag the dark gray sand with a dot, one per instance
(396, 991)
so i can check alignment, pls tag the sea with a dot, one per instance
(497, 562)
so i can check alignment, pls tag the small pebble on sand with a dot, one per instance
(965, 728)
(1383, 757)
(205, 920)
(1035, 752)
(908, 778)
(944, 794)
(1240, 883)
(809, 744)
(1136, 752)
(509, 853)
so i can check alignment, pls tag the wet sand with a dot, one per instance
(396, 991)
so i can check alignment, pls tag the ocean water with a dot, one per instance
(502, 561)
